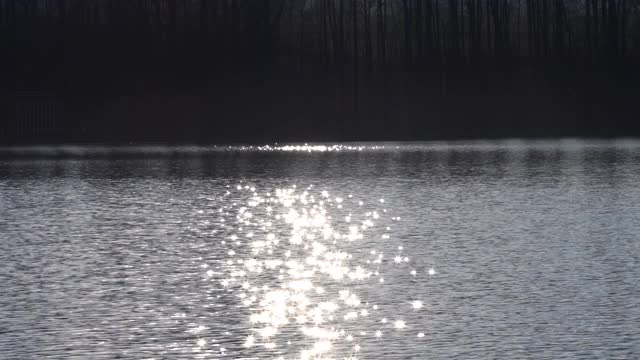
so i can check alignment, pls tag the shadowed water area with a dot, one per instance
(507, 249)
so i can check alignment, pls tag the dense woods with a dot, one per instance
(331, 68)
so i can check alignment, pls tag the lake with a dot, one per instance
(472, 250)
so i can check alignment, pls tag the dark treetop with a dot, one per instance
(270, 70)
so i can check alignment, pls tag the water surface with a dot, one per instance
(124, 252)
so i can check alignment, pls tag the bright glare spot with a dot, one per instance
(199, 329)
(417, 304)
(399, 324)
(250, 341)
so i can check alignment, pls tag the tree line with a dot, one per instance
(341, 66)
(370, 35)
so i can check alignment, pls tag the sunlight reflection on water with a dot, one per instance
(297, 281)
(496, 249)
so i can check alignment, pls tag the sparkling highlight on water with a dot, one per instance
(297, 261)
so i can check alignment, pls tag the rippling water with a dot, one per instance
(468, 250)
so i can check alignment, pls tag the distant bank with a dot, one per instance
(307, 113)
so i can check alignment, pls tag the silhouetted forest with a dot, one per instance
(275, 70)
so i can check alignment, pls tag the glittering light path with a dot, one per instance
(296, 261)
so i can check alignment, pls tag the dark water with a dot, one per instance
(119, 253)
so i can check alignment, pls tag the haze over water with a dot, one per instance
(472, 250)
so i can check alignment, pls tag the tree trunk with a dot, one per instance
(367, 36)
(382, 47)
(407, 33)
(419, 32)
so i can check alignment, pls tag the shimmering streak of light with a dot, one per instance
(308, 148)
(312, 256)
